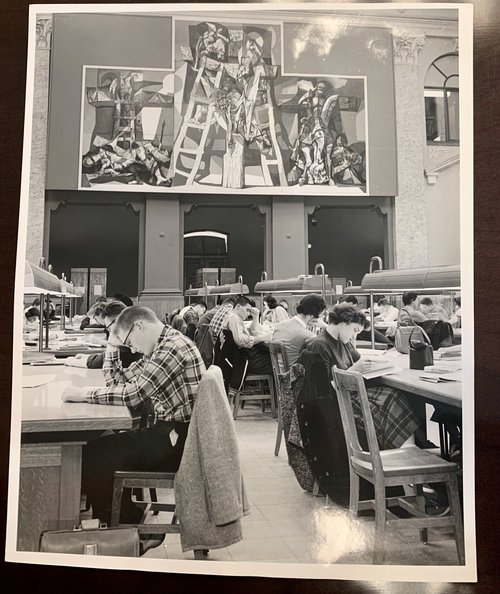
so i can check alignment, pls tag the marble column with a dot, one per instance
(410, 221)
(163, 252)
(289, 237)
(36, 201)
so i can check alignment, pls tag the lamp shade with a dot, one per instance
(232, 289)
(37, 280)
(299, 284)
(435, 278)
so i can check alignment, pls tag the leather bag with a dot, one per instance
(421, 351)
(402, 337)
(92, 538)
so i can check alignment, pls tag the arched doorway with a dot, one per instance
(204, 250)
(234, 239)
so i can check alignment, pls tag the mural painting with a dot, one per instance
(229, 118)
(127, 117)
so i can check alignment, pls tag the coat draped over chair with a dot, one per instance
(209, 492)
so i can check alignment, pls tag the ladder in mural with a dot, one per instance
(189, 123)
(266, 121)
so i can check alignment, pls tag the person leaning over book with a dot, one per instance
(394, 419)
(167, 377)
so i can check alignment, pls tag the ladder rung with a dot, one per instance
(180, 172)
(271, 162)
(187, 151)
(197, 126)
(203, 100)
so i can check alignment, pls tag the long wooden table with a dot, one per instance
(444, 396)
(442, 393)
(52, 435)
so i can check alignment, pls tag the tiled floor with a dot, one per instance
(289, 525)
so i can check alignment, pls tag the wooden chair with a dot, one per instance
(231, 359)
(246, 393)
(402, 466)
(152, 481)
(279, 362)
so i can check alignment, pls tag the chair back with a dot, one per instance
(349, 385)
(203, 340)
(178, 323)
(279, 359)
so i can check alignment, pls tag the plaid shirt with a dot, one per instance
(219, 320)
(169, 378)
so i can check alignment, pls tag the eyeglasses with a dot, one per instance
(125, 340)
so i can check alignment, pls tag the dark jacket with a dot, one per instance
(290, 384)
(232, 360)
(321, 429)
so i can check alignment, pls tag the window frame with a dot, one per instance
(444, 90)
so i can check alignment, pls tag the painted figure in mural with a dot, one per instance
(347, 166)
(210, 52)
(142, 163)
(251, 75)
(313, 149)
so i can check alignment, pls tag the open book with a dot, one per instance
(380, 365)
(435, 378)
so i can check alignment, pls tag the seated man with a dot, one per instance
(106, 316)
(366, 334)
(388, 313)
(252, 339)
(218, 322)
(90, 320)
(432, 310)
(167, 378)
(192, 316)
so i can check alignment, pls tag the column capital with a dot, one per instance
(407, 47)
(43, 31)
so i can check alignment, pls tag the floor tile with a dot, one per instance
(264, 549)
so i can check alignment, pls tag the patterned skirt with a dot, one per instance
(393, 417)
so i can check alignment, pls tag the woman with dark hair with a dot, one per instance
(395, 421)
(409, 315)
(293, 332)
(274, 313)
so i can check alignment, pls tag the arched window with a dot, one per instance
(441, 94)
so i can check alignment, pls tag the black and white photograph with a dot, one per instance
(243, 315)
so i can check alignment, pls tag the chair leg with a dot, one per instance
(454, 501)
(380, 523)
(279, 434)
(273, 398)
(236, 405)
(116, 502)
(353, 492)
(419, 492)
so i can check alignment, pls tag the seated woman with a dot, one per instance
(409, 315)
(394, 419)
(274, 313)
(293, 332)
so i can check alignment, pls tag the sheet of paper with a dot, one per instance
(34, 381)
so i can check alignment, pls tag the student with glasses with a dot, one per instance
(106, 316)
(167, 378)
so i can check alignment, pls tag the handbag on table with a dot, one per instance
(92, 538)
(402, 337)
(421, 351)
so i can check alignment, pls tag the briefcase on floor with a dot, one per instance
(92, 538)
